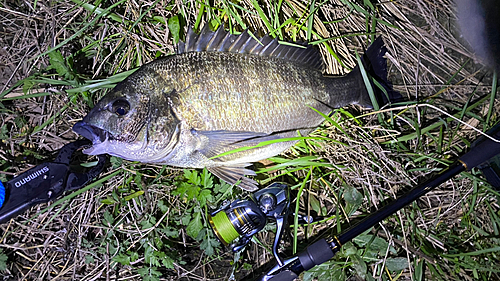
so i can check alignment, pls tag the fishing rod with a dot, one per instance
(244, 218)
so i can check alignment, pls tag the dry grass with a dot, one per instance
(72, 240)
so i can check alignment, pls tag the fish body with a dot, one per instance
(186, 109)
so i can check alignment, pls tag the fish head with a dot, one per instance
(117, 125)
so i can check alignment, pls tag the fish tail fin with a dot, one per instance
(375, 65)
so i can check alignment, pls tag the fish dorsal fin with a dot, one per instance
(223, 41)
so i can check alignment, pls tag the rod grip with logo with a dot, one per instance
(37, 185)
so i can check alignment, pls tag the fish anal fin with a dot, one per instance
(235, 176)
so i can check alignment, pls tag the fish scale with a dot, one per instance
(220, 96)
(219, 93)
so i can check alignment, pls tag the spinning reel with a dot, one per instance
(245, 218)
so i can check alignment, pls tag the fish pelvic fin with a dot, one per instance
(375, 65)
(236, 175)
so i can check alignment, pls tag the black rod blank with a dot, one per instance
(484, 149)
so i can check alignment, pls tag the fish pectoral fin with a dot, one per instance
(235, 175)
(223, 141)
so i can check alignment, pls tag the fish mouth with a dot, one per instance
(95, 134)
(104, 142)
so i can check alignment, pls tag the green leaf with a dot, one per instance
(188, 191)
(378, 244)
(193, 192)
(204, 196)
(28, 85)
(207, 179)
(159, 19)
(99, 11)
(3, 261)
(100, 84)
(115, 161)
(353, 197)
(247, 266)
(315, 205)
(122, 259)
(359, 265)
(147, 223)
(418, 275)
(163, 208)
(208, 245)
(169, 231)
(88, 259)
(108, 218)
(149, 255)
(192, 177)
(174, 26)
(325, 272)
(108, 201)
(89, 164)
(396, 264)
(133, 256)
(195, 226)
(134, 195)
(168, 262)
(58, 63)
(149, 273)
(349, 249)
(186, 218)
(138, 180)
(222, 187)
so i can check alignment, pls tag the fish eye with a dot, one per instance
(120, 107)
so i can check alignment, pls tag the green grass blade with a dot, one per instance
(28, 96)
(264, 143)
(297, 205)
(262, 15)
(105, 83)
(474, 253)
(492, 97)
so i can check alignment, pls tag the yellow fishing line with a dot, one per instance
(223, 227)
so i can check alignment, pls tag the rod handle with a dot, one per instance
(316, 254)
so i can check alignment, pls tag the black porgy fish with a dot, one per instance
(221, 92)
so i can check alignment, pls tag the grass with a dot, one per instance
(149, 222)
